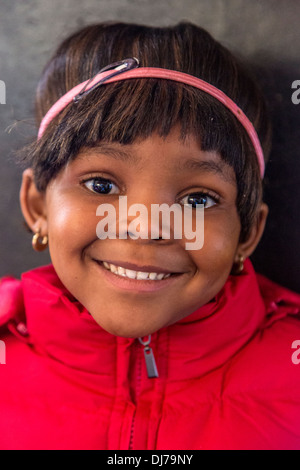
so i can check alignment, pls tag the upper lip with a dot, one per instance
(144, 268)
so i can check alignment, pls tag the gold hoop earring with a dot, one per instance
(240, 264)
(39, 243)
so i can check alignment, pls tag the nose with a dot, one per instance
(133, 236)
(151, 222)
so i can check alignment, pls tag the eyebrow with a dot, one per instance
(208, 166)
(204, 166)
(118, 154)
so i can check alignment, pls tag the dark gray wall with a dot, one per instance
(266, 32)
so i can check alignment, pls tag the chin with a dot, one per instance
(128, 329)
(130, 321)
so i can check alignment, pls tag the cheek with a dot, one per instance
(221, 238)
(71, 226)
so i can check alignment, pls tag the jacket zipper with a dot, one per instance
(151, 372)
(149, 358)
(130, 447)
(138, 379)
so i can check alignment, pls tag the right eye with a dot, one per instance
(101, 186)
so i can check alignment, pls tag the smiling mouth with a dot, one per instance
(140, 275)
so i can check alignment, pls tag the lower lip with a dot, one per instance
(137, 285)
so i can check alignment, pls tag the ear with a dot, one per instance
(246, 248)
(33, 204)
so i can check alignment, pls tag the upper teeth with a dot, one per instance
(134, 274)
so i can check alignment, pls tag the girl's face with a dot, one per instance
(151, 171)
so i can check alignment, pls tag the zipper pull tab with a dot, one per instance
(149, 358)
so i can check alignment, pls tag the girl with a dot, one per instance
(136, 342)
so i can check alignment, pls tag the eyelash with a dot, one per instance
(203, 193)
(98, 178)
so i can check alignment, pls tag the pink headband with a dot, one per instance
(127, 69)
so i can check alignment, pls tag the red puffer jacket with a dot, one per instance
(228, 381)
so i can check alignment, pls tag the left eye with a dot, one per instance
(101, 186)
(195, 199)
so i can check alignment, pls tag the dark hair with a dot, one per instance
(125, 111)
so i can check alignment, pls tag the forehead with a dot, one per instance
(172, 153)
